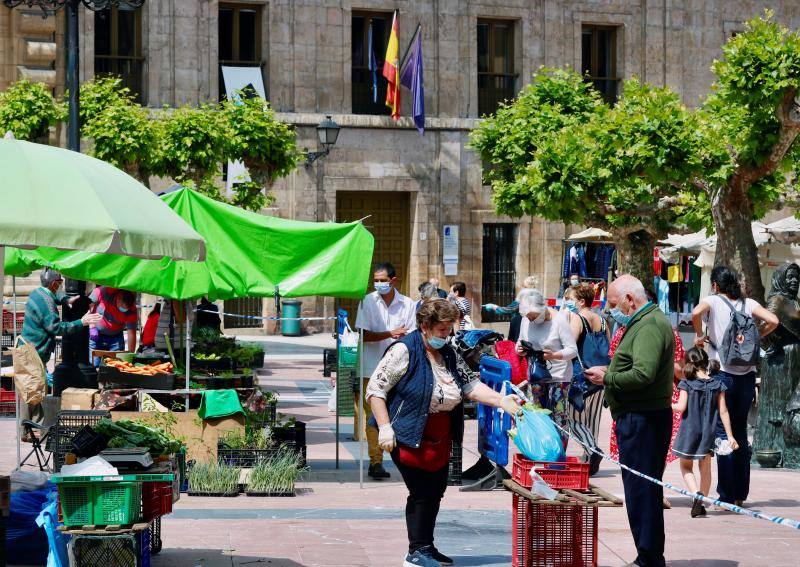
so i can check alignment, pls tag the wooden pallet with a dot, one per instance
(105, 530)
(594, 497)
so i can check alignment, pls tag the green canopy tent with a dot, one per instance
(247, 255)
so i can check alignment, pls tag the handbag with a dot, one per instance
(538, 369)
(29, 373)
(433, 452)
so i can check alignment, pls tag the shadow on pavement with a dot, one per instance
(702, 563)
(481, 560)
(774, 503)
(172, 557)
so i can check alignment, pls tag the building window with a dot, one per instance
(118, 46)
(365, 98)
(239, 38)
(599, 60)
(496, 77)
(499, 267)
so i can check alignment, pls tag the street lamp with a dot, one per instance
(50, 7)
(328, 133)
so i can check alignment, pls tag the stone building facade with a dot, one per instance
(311, 53)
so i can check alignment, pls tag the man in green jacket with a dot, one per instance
(638, 389)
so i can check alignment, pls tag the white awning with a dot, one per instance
(590, 234)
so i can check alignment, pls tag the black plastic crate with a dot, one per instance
(330, 361)
(106, 551)
(68, 424)
(87, 443)
(112, 378)
(455, 465)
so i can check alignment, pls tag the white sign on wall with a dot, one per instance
(450, 244)
(238, 79)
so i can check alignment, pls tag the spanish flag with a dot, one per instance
(391, 71)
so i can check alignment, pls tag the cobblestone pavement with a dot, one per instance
(334, 522)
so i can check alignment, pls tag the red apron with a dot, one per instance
(434, 450)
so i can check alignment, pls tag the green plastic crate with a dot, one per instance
(100, 503)
(348, 357)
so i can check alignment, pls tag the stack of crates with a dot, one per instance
(346, 380)
(547, 534)
(8, 403)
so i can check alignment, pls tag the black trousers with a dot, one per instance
(643, 439)
(425, 492)
(734, 469)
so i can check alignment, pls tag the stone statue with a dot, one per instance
(778, 425)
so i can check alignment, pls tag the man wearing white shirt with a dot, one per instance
(385, 316)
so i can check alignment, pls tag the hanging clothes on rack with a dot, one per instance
(662, 293)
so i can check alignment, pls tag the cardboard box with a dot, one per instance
(78, 398)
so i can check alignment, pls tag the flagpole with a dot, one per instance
(408, 49)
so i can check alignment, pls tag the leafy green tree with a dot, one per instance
(560, 153)
(99, 94)
(750, 123)
(266, 146)
(28, 110)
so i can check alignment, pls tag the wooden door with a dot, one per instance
(389, 221)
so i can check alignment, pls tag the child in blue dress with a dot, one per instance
(700, 404)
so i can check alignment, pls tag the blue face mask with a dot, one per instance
(571, 306)
(436, 342)
(383, 287)
(620, 317)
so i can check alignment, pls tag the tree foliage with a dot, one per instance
(28, 110)
(189, 145)
(561, 153)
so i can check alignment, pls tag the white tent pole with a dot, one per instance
(188, 350)
(362, 410)
(16, 397)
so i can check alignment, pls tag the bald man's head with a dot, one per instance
(627, 293)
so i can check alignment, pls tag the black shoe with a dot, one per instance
(739, 503)
(377, 472)
(697, 508)
(440, 557)
(594, 463)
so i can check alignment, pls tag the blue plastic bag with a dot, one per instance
(536, 435)
(26, 543)
(48, 519)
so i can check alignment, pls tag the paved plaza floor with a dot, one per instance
(335, 522)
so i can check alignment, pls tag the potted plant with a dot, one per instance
(275, 476)
(213, 479)
(244, 448)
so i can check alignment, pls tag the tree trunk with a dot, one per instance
(635, 255)
(736, 247)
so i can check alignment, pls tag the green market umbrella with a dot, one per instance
(248, 255)
(63, 199)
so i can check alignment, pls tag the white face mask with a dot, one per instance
(540, 319)
(383, 287)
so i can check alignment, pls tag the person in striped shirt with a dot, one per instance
(117, 307)
(458, 293)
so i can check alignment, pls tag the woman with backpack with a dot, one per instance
(592, 337)
(734, 325)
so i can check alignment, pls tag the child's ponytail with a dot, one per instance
(695, 360)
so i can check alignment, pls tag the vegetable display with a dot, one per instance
(276, 475)
(127, 433)
(143, 369)
(213, 478)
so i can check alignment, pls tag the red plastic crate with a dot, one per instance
(547, 535)
(7, 396)
(571, 474)
(156, 499)
(8, 321)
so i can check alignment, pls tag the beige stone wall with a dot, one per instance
(306, 54)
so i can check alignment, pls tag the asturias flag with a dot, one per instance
(411, 78)
(391, 71)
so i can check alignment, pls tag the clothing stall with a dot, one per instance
(676, 276)
(592, 255)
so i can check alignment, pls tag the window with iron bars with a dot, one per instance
(118, 47)
(365, 98)
(239, 38)
(599, 60)
(497, 79)
(499, 268)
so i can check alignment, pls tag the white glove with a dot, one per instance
(386, 437)
(510, 405)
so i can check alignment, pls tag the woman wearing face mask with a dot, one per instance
(415, 394)
(592, 338)
(117, 307)
(549, 331)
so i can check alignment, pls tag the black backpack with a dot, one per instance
(740, 345)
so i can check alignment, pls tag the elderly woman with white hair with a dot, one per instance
(548, 330)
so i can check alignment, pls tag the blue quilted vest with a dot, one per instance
(410, 399)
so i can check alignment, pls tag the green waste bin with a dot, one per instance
(290, 308)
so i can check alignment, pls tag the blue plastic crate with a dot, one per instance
(493, 425)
